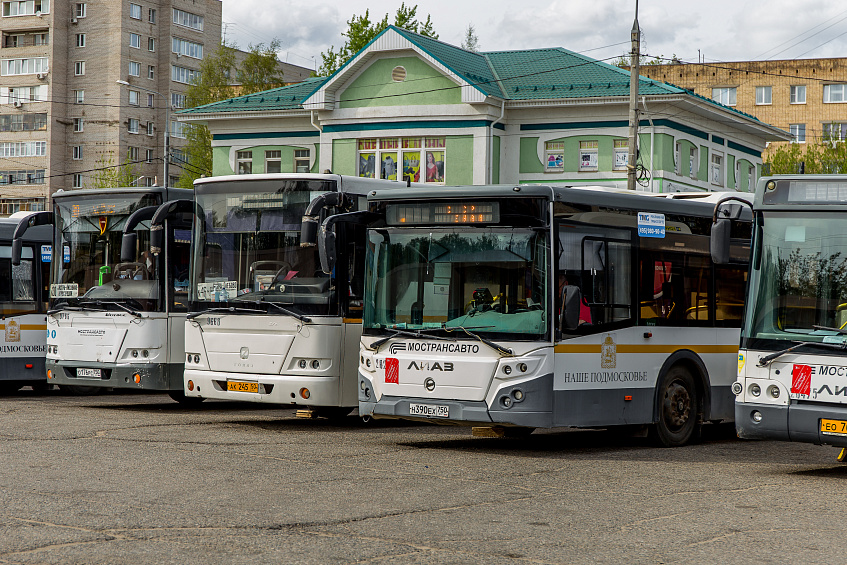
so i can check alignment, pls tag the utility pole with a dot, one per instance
(634, 69)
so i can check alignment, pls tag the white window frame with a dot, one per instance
(79, 125)
(132, 125)
(798, 133)
(80, 10)
(693, 162)
(677, 164)
(135, 40)
(151, 44)
(620, 154)
(554, 156)
(764, 95)
(184, 47)
(79, 68)
(133, 65)
(132, 153)
(77, 180)
(151, 72)
(243, 159)
(135, 11)
(835, 93)
(589, 156)
(79, 96)
(302, 160)
(177, 100)
(134, 97)
(183, 75)
(148, 155)
(80, 40)
(77, 153)
(716, 173)
(425, 144)
(728, 93)
(24, 66)
(151, 15)
(188, 20)
(797, 94)
(15, 8)
(273, 156)
(151, 128)
(150, 100)
(841, 130)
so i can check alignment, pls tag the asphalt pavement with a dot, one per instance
(138, 478)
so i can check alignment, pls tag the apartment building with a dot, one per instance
(806, 97)
(87, 84)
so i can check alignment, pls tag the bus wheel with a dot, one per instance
(41, 387)
(76, 390)
(678, 405)
(180, 397)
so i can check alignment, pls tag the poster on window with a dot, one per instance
(367, 165)
(621, 159)
(388, 167)
(435, 166)
(412, 166)
(588, 160)
(555, 162)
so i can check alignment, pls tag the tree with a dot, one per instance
(471, 41)
(827, 156)
(361, 30)
(260, 69)
(109, 175)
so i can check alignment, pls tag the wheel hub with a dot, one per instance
(677, 406)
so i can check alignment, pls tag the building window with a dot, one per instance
(273, 162)
(717, 169)
(148, 181)
(79, 96)
(301, 160)
(243, 161)
(79, 11)
(135, 40)
(24, 94)
(148, 156)
(30, 66)
(554, 161)
(23, 122)
(151, 72)
(798, 94)
(834, 131)
(724, 95)
(187, 48)
(26, 7)
(135, 11)
(177, 100)
(79, 68)
(23, 149)
(588, 155)
(189, 20)
(40, 38)
(692, 162)
(77, 153)
(178, 129)
(182, 74)
(132, 154)
(80, 40)
(150, 128)
(151, 44)
(413, 155)
(621, 154)
(77, 182)
(133, 97)
(149, 100)
(798, 133)
(763, 95)
(834, 93)
(151, 15)
(132, 125)
(78, 125)
(134, 69)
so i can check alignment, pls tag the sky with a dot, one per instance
(718, 30)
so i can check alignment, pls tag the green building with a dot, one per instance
(408, 106)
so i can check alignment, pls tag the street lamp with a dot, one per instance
(167, 124)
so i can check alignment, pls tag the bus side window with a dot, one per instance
(179, 254)
(731, 282)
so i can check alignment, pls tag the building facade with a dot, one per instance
(408, 106)
(806, 97)
(63, 113)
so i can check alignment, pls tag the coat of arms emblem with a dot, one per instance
(13, 331)
(608, 353)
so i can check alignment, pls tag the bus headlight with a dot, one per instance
(755, 390)
(737, 388)
(773, 391)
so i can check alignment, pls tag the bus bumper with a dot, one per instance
(149, 376)
(534, 410)
(15, 369)
(794, 422)
(273, 389)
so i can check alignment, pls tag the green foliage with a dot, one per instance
(109, 175)
(260, 69)
(361, 30)
(825, 157)
(214, 80)
(471, 41)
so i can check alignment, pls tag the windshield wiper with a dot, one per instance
(828, 329)
(66, 306)
(123, 307)
(499, 348)
(418, 333)
(228, 310)
(764, 361)
(282, 309)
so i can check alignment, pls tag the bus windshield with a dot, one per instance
(486, 279)
(802, 280)
(89, 230)
(248, 249)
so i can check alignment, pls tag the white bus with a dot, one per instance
(23, 301)
(115, 323)
(792, 364)
(510, 308)
(265, 323)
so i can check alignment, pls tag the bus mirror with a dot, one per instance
(17, 247)
(570, 313)
(719, 242)
(128, 247)
(157, 238)
(309, 231)
(326, 250)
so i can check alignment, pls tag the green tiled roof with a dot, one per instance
(283, 98)
(512, 75)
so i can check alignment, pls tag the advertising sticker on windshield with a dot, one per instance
(651, 224)
(66, 290)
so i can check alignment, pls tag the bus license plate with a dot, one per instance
(94, 373)
(429, 410)
(237, 386)
(834, 427)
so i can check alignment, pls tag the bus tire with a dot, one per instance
(77, 390)
(678, 409)
(41, 387)
(180, 397)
